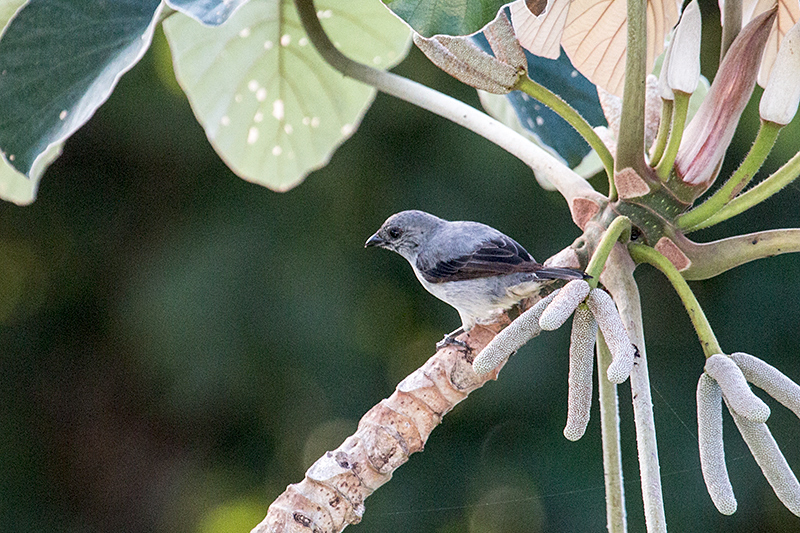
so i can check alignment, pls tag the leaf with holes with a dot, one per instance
(210, 12)
(59, 61)
(448, 17)
(271, 107)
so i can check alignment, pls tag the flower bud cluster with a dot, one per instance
(591, 309)
(726, 378)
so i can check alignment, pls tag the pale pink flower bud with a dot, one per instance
(708, 135)
(570, 296)
(683, 69)
(735, 388)
(712, 450)
(782, 93)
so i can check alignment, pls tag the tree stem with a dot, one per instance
(612, 450)
(618, 279)
(777, 181)
(644, 254)
(574, 119)
(630, 148)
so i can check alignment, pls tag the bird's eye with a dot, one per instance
(395, 232)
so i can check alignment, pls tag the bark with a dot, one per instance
(332, 495)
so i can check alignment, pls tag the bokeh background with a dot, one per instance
(177, 345)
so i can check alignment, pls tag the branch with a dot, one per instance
(618, 279)
(612, 449)
(332, 494)
(571, 186)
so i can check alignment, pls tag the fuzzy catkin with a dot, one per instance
(769, 379)
(712, 450)
(581, 363)
(619, 344)
(771, 460)
(508, 341)
(735, 388)
(562, 306)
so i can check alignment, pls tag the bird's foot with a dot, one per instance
(451, 340)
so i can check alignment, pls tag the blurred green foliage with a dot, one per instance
(177, 345)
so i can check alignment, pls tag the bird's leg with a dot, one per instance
(450, 339)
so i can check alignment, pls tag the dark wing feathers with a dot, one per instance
(493, 257)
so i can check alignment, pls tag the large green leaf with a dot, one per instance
(210, 12)
(14, 186)
(448, 17)
(59, 61)
(271, 107)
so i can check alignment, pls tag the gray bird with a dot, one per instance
(471, 266)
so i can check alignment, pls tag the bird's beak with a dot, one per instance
(375, 240)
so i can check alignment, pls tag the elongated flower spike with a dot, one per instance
(581, 364)
(562, 306)
(619, 344)
(512, 338)
(782, 93)
(708, 135)
(724, 379)
(771, 461)
(710, 444)
(769, 379)
(462, 59)
(735, 388)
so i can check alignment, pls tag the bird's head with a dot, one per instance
(404, 232)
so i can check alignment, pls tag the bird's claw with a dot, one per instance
(451, 340)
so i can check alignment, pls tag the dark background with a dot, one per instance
(177, 345)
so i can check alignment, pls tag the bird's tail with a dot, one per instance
(561, 273)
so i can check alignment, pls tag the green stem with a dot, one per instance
(574, 119)
(680, 110)
(612, 449)
(777, 181)
(644, 254)
(630, 148)
(663, 132)
(731, 25)
(765, 140)
(567, 182)
(713, 258)
(619, 226)
(618, 280)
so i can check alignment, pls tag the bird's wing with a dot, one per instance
(494, 256)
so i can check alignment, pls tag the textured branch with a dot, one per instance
(332, 495)
(618, 279)
(769, 379)
(771, 461)
(734, 387)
